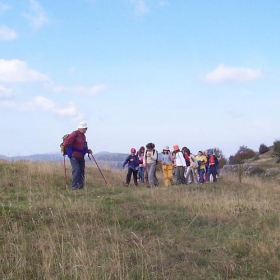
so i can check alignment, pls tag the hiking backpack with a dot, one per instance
(64, 149)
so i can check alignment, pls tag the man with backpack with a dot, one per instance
(76, 146)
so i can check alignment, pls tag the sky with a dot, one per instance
(196, 73)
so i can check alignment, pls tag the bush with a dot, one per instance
(263, 149)
(256, 157)
(222, 160)
(276, 150)
(257, 171)
(243, 153)
(235, 160)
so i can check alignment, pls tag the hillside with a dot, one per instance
(264, 165)
(225, 230)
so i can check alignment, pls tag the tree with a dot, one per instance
(219, 154)
(263, 149)
(276, 150)
(243, 153)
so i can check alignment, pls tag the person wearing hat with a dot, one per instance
(150, 163)
(76, 145)
(181, 165)
(201, 160)
(167, 166)
(213, 166)
(133, 165)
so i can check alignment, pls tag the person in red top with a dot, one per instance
(76, 145)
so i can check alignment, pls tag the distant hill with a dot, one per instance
(105, 159)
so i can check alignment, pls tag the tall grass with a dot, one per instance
(225, 230)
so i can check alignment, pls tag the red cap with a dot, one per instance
(132, 150)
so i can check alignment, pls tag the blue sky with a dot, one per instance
(196, 73)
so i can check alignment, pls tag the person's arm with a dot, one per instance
(126, 161)
(204, 159)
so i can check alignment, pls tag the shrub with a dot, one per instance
(235, 160)
(222, 160)
(276, 150)
(263, 149)
(256, 157)
(257, 171)
(243, 153)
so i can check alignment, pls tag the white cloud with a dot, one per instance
(14, 70)
(37, 16)
(89, 91)
(5, 93)
(140, 6)
(231, 74)
(45, 104)
(4, 7)
(7, 34)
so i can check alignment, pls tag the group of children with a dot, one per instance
(178, 166)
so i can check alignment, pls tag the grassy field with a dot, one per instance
(225, 230)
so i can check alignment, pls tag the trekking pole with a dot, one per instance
(65, 175)
(98, 167)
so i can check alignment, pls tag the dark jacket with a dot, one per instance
(133, 162)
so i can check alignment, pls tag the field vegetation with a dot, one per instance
(227, 230)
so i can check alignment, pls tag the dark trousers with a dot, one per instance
(128, 176)
(78, 172)
(180, 170)
(141, 174)
(212, 169)
(201, 175)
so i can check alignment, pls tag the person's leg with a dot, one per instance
(201, 175)
(176, 175)
(151, 174)
(181, 176)
(155, 176)
(187, 175)
(165, 175)
(135, 172)
(82, 172)
(194, 175)
(146, 175)
(214, 173)
(128, 176)
(75, 173)
(141, 174)
(170, 173)
(78, 172)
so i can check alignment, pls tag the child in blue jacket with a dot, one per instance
(133, 165)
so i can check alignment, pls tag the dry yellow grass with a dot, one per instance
(212, 231)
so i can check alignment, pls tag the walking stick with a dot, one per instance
(98, 167)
